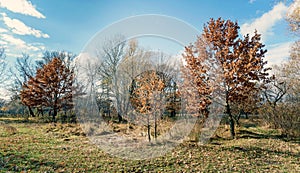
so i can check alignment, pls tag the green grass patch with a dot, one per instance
(63, 148)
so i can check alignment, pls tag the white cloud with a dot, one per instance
(19, 44)
(18, 27)
(265, 23)
(2, 30)
(2, 43)
(251, 1)
(278, 53)
(21, 6)
(15, 41)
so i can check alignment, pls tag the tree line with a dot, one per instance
(220, 66)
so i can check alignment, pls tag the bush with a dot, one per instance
(284, 116)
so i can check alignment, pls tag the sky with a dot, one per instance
(34, 26)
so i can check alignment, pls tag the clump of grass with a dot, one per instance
(8, 129)
(64, 130)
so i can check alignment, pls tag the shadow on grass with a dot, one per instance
(257, 152)
(18, 163)
(242, 134)
(247, 125)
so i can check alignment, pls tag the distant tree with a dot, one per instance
(249, 106)
(121, 62)
(112, 54)
(282, 97)
(147, 97)
(291, 71)
(52, 86)
(2, 103)
(293, 17)
(24, 69)
(273, 94)
(169, 73)
(66, 57)
(172, 96)
(3, 65)
(239, 60)
(281, 110)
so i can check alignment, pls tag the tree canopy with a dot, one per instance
(239, 61)
(51, 87)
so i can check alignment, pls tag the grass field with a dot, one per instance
(32, 147)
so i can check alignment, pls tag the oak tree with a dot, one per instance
(240, 62)
(147, 97)
(52, 87)
(197, 90)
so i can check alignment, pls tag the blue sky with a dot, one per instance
(33, 26)
(68, 25)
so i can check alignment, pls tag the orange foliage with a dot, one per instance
(53, 87)
(237, 61)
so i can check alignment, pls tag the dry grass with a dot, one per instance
(64, 148)
(8, 129)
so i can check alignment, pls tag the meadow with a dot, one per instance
(48, 147)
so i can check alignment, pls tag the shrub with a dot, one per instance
(284, 116)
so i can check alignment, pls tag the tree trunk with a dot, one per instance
(237, 119)
(246, 115)
(173, 113)
(30, 111)
(155, 126)
(231, 121)
(54, 114)
(148, 127)
(149, 135)
(42, 111)
(120, 118)
(64, 117)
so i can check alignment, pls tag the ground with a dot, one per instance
(35, 147)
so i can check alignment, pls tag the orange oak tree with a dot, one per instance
(197, 90)
(146, 97)
(52, 87)
(239, 61)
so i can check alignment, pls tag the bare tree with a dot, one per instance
(112, 54)
(293, 17)
(121, 63)
(3, 65)
(282, 98)
(24, 69)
